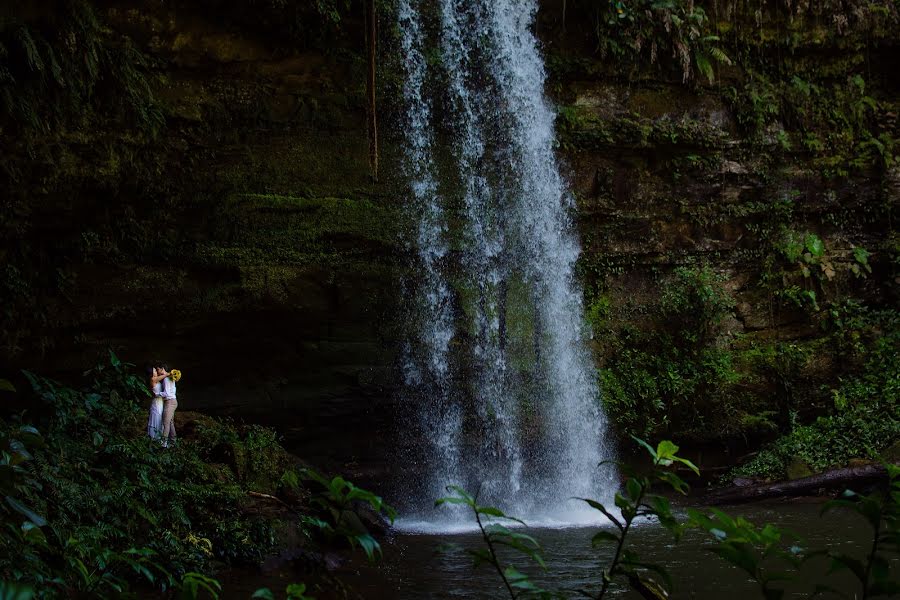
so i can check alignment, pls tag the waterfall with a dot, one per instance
(432, 374)
(498, 371)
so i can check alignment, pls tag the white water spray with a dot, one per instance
(499, 371)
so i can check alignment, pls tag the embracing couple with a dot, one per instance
(161, 425)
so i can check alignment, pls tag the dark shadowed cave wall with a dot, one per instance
(189, 180)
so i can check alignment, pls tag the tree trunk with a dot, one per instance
(371, 30)
(849, 477)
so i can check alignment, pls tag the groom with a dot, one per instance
(168, 394)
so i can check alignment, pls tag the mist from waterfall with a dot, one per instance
(498, 372)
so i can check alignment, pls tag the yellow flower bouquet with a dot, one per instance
(175, 374)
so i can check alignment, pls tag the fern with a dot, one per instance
(55, 75)
(646, 29)
(704, 66)
(719, 54)
(28, 45)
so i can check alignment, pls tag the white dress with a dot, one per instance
(154, 424)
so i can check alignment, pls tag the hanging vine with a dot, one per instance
(371, 32)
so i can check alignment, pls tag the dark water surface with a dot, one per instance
(413, 567)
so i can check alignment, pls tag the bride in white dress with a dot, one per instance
(154, 424)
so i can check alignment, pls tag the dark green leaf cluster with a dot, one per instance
(671, 376)
(636, 501)
(771, 556)
(294, 591)
(865, 418)
(338, 501)
(838, 122)
(58, 66)
(657, 30)
(761, 552)
(94, 503)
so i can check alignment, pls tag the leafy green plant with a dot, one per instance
(865, 418)
(649, 29)
(861, 265)
(11, 591)
(756, 104)
(634, 501)
(48, 75)
(759, 551)
(881, 511)
(495, 534)
(16, 481)
(666, 377)
(197, 585)
(93, 505)
(103, 571)
(695, 299)
(294, 591)
(765, 552)
(808, 252)
(336, 500)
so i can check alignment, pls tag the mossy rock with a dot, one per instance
(892, 454)
(797, 469)
(232, 454)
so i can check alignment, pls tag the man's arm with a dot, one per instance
(158, 376)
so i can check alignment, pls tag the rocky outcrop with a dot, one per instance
(242, 237)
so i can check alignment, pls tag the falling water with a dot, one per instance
(498, 370)
(435, 328)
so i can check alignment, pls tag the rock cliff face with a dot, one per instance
(234, 232)
(752, 172)
(208, 199)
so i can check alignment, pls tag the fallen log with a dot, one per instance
(855, 478)
(269, 497)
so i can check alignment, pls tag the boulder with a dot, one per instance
(798, 469)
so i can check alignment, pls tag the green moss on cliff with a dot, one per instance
(259, 230)
(582, 129)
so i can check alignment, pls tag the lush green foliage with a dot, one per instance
(93, 504)
(338, 500)
(837, 122)
(648, 29)
(66, 79)
(865, 417)
(669, 376)
(97, 502)
(634, 501)
(677, 370)
(64, 64)
(771, 556)
(294, 591)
